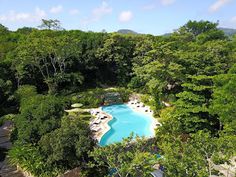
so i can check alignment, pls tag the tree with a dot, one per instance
(29, 159)
(117, 52)
(195, 156)
(127, 158)
(3, 29)
(39, 115)
(49, 56)
(50, 24)
(25, 30)
(6, 89)
(198, 27)
(223, 102)
(67, 147)
(191, 111)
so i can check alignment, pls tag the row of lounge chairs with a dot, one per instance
(138, 104)
(95, 124)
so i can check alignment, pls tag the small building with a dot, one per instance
(112, 98)
(157, 173)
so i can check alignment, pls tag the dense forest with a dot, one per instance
(44, 70)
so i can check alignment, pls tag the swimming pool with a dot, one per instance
(124, 122)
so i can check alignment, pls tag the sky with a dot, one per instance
(143, 16)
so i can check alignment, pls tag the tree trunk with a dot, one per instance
(52, 87)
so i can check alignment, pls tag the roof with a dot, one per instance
(157, 173)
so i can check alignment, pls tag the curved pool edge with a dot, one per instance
(108, 127)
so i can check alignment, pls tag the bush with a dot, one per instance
(67, 147)
(136, 83)
(29, 158)
(25, 91)
(6, 117)
(124, 93)
(39, 114)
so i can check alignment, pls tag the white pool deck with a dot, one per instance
(99, 128)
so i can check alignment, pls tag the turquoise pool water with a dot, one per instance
(124, 122)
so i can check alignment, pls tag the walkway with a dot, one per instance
(7, 170)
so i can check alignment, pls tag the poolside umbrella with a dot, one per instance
(76, 105)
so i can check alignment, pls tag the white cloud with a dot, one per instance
(40, 13)
(233, 19)
(218, 4)
(167, 2)
(98, 13)
(56, 9)
(149, 6)
(102, 10)
(125, 16)
(13, 16)
(152, 5)
(74, 12)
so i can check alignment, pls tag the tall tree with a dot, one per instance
(223, 102)
(50, 56)
(51, 24)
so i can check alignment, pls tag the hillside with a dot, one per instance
(228, 31)
(126, 31)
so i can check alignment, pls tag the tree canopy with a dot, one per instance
(188, 78)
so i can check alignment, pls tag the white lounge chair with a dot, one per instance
(95, 129)
(97, 121)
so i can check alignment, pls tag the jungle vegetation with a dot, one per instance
(44, 70)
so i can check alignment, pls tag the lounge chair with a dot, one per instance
(103, 117)
(98, 121)
(95, 129)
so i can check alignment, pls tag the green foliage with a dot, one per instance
(48, 56)
(67, 146)
(127, 158)
(6, 89)
(198, 27)
(192, 69)
(117, 50)
(124, 93)
(186, 156)
(7, 117)
(223, 102)
(93, 98)
(45, 143)
(30, 159)
(39, 114)
(24, 92)
(50, 24)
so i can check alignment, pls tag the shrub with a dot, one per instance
(29, 158)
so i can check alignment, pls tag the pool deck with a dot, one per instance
(104, 127)
(135, 105)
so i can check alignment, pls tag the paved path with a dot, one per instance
(7, 170)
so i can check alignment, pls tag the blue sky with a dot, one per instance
(144, 16)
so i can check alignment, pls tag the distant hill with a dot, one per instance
(228, 31)
(167, 34)
(126, 31)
